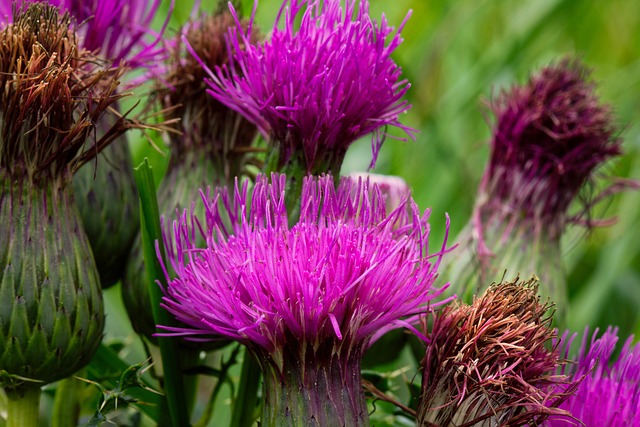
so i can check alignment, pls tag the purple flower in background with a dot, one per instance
(314, 90)
(120, 30)
(608, 390)
(394, 189)
(306, 298)
(549, 137)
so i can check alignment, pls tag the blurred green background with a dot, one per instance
(456, 54)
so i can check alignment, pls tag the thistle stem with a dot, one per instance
(23, 407)
(66, 404)
(313, 390)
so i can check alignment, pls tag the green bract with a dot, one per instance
(51, 316)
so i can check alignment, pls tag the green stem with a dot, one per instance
(313, 387)
(23, 406)
(66, 404)
(243, 408)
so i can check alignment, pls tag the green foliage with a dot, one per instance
(120, 396)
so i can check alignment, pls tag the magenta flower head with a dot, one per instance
(307, 298)
(313, 90)
(549, 138)
(608, 390)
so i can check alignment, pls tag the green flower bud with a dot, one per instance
(51, 318)
(107, 198)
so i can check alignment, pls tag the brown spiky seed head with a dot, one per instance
(52, 94)
(492, 362)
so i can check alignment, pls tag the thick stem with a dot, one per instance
(66, 404)
(313, 389)
(23, 407)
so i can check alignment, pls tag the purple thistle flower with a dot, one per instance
(307, 299)
(120, 30)
(608, 391)
(313, 91)
(550, 137)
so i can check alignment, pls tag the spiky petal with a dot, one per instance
(608, 388)
(307, 298)
(314, 90)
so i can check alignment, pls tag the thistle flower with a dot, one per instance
(52, 317)
(549, 138)
(313, 91)
(608, 391)
(211, 146)
(306, 299)
(105, 190)
(488, 364)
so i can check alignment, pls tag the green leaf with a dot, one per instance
(152, 235)
(106, 366)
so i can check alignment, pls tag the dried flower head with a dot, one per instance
(489, 363)
(204, 123)
(608, 390)
(314, 90)
(53, 94)
(549, 137)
